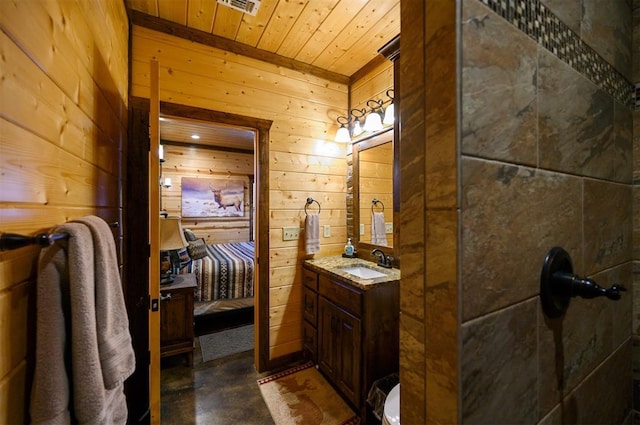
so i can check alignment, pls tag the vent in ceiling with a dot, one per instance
(246, 6)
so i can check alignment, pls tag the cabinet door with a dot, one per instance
(328, 337)
(310, 306)
(349, 350)
(339, 350)
(175, 325)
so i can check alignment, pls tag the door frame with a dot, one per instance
(261, 155)
(261, 161)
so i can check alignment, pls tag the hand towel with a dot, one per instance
(69, 384)
(312, 233)
(378, 231)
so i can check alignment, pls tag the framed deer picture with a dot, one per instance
(212, 197)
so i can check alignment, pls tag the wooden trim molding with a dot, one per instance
(202, 37)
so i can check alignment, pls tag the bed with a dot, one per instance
(224, 274)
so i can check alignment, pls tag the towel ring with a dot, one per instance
(309, 202)
(375, 202)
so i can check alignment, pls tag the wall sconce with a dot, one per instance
(374, 119)
(357, 127)
(161, 153)
(343, 135)
(166, 183)
(389, 113)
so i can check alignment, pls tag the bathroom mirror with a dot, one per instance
(373, 193)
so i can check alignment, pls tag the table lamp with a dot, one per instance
(171, 240)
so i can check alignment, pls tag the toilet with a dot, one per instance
(392, 407)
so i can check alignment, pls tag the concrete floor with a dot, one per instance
(219, 392)
(222, 391)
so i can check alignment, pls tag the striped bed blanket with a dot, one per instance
(226, 272)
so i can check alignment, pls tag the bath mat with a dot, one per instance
(227, 342)
(301, 395)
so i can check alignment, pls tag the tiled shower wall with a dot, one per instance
(546, 160)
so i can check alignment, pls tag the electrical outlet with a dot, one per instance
(388, 227)
(290, 233)
(327, 230)
(361, 229)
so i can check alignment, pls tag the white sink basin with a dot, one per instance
(363, 272)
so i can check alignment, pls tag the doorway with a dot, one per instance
(137, 218)
(261, 177)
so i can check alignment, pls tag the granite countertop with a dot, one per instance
(335, 265)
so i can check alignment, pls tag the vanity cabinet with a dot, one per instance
(350, 332)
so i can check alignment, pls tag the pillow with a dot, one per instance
(183, 255)
(189, 235)
(197, 249)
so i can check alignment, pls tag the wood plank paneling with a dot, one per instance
(200, 14)
(252, 27)
(372, 85)
(302, 29)
(63, 121)
(282, 20)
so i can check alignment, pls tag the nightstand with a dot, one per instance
(176, 316)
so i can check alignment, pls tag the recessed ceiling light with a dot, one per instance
(195, 136)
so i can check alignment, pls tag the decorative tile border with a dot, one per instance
(535, 20)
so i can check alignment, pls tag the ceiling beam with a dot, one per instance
(202, 37)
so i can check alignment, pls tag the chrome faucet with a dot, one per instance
(383, 259)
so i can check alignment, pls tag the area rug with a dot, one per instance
(227, 342)
(302, 396)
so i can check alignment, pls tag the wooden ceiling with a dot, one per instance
(183, 130)
(340, 36)
(331, 38)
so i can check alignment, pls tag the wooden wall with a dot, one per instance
(204, 162)
(303, 159)
(63, 123)
(372, 85)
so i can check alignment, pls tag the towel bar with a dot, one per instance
(9, 241)
(375, 202)
(309, 202)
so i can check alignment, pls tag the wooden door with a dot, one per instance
(136, 269)
(154, 243)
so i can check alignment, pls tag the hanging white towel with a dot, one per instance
(312, 233)
(378, 231)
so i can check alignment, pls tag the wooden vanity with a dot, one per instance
(350, 327)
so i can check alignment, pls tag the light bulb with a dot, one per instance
(357, 129)
(389, 115)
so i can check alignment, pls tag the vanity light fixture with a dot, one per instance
(389, 113)
(374, 119)
(343, 135)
